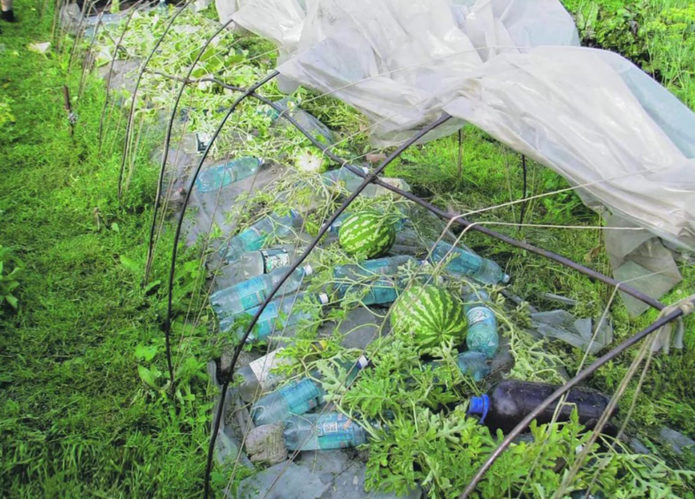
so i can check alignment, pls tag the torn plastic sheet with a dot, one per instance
(580, 333)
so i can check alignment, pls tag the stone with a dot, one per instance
(265, 444)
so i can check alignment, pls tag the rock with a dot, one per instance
(265, 444)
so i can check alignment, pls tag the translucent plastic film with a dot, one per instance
(512, 68)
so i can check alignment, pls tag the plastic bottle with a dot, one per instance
(254, 237)
(381, 291)
(257, 377)
(511, 400)
(277, 316)
(331, 430)
(218, 176)
(306, 120)
(297, 397)
(371, 268)
(345, 177)
(252, 292)
(465, 262)
(472, 363)
(481, 335)
(255, 263)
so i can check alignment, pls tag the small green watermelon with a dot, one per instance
(367, 234)
(429, 315)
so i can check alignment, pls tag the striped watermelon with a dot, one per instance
(367, 234)
(429, 315)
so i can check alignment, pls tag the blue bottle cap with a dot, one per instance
(480, 406)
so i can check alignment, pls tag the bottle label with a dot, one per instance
(261, 367)
(275, 259)
(478, 314)
(328, 428)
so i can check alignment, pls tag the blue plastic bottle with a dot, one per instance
(331, 430)
(277, 316)
(252, 292)
(371, 268)
(481, 335)
(254, 237)
(218, 176)
(255, 263)
(370, 274)
(297, 397)
(467, 263)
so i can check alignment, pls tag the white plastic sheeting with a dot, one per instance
(512, 68)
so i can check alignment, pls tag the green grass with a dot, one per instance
(76, 420)
(84, 409)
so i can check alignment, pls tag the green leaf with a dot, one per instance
(148, 377)
(12, 301)
(145, 353)
(129, 264)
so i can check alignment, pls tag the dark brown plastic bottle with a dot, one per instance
(511, 400)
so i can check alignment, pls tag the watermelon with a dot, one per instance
(367, 234)
(429, 315)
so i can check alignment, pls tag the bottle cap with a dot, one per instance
(308, 270)
(480, 406)
(362, 362)
(506, 278)
(323, 298)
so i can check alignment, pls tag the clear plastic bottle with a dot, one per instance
(257, 377)
(255, 263)
(330, 430)
(472, 363)
(252, 292)
(343, 176)
(512, 400)
(468, 263)
(382, 292)
(370, 274)
(278, 316)
(371, 268)
(297, 397)
(481, 335)
(218, 176)
(254, 237)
